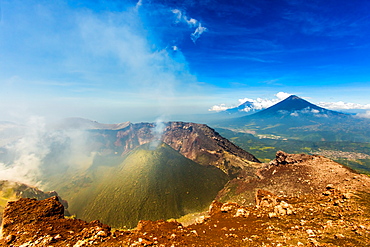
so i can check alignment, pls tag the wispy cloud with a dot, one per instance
(92, 54)
(191, 22)
(306, 111)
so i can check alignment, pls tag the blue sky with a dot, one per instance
(115, 61)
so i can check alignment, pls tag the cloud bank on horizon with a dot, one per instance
(263, 103)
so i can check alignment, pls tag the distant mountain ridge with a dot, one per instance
(82, 123)
(246, 107)
(296, 118)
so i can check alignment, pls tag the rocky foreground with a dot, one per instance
(332, 208)
(331, 219)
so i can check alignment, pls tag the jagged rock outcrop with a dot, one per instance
(283, 158)
(10, 191)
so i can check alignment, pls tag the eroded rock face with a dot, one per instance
(25, 211)
(197, 142)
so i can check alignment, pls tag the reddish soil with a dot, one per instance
(331, 219)
(299, 201)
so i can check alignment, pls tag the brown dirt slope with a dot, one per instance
(295, 175)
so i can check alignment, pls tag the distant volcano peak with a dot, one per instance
(293, 97)
(292, 105)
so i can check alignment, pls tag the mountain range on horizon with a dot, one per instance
(296, 118)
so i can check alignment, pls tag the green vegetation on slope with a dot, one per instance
(266, 148)
(326, 126)
(145, 185)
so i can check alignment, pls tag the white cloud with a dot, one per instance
(248, 109)
(139, 4)
(282, 95)
(191, 22)
(218, 108)
(363, 115)
(258, 104)
(340, 105)
(197, 33)
(315, 111)
(307, 110)
(178, 14)
(261, 103)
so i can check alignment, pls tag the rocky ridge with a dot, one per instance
(293, 204)
(197, 142)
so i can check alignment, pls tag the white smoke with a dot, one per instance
(29, 152)
(157, 132)
(41, 150)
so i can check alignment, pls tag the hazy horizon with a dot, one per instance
(117, 61)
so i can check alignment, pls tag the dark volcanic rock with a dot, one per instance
(283, 158)
(205, 146)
